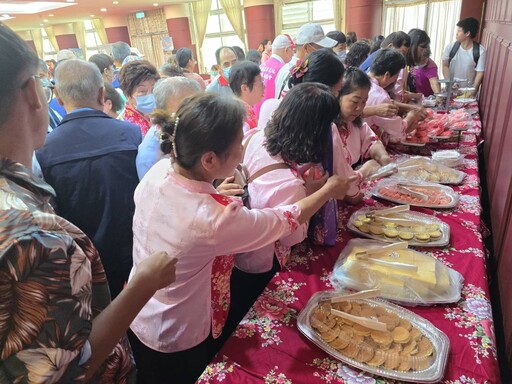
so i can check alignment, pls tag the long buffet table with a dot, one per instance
(267, 347)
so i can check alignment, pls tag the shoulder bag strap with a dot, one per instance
(476, 52)
(454, 50)
(267, 169)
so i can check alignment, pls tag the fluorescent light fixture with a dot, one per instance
(103, 9)
(6, 17)
(29, 7)
(115, 2)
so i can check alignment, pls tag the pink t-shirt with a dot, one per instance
(387, 129)
(179, 216)
(269, 71)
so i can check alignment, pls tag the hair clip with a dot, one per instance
(173, 137)
(300, 69)
(164, 138)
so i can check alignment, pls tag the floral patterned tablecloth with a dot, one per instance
(268, 348)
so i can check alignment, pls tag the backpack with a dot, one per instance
(456, 46)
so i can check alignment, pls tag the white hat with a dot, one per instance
(283, 41)
(313, 33)
(136, 52)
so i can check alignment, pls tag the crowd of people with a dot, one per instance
(144, 210)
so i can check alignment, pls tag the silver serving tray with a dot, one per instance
(422, 162)
(408, 215)
(449, 192)
(440, 341)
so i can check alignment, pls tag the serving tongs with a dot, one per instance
(406, 189)
(364, 321)
(388, 211)
(384, 171)
(373, 256)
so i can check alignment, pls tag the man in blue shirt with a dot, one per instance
(90, 162)
(397, 40)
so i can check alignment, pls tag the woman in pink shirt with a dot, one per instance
(265, 49)
(357, 137)
(178, 210)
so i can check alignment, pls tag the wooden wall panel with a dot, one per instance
(496, 106)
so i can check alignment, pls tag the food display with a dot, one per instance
(424, 194)
(439, 126)
(392, 226)
(450, 157)
(422, 169)
(409, 348)
(400, 273)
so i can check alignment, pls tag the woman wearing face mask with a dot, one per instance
(137, 79)
(357, 137)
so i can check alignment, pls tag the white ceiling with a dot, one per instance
(31, 17)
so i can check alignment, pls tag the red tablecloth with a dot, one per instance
(268, 348)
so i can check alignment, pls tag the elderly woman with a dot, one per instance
(187, 63)
(137, 79)
(246, 83)
(106, 65)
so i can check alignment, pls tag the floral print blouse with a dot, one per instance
(52, 285)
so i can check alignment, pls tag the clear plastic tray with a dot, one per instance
(440, 196)
(430, 366)
(422, 169)
(432, 282)
(449, 157)
(391, 234)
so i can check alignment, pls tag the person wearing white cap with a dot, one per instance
(283, 49)
(310, 37)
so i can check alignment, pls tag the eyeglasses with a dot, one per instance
(47, 87)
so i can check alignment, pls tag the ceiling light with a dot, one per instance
(30, 7)
(51, 15)
(103, 9)
(70, 1)
(155, 4)
(91, 15)
(45, 20)
(115, 2)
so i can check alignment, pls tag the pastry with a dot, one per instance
(390, 233)
(405, 235)
(423, 237)
(376, 229)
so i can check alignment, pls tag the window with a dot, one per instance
(219, 32)
(49, 51)
(296, 14)
(92, 41)
(437, 17)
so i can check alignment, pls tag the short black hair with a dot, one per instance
(18, 62)
(243, 72)
(376, 42)
(469, 24)
(112, 95)
(239, 52)
(357, 53)
(217, 53)
(353, 80)
(254, 56)
(351, 38)
(102, 61)
(207, 122)
(396, 39)
(387, 60)
(170, 70)
(338, 36)
(300, 128)
(183, 56)
(323, 66)
(418, 38)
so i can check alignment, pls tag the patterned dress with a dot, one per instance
(133, 116)
(52, 285)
